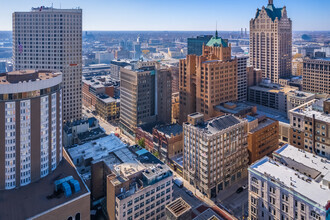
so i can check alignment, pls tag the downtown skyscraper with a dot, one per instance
(271, 42)
(51, 39)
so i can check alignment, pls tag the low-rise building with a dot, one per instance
(81, 131)
(139, 188)
(263, 136)
(297, 98)
(293, 185)
(168, 140)
(108, 108)
(270, 95)
(215, 152)
(310, 125)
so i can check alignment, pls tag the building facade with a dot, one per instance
(316, 75)
(293, 185)
(31, 126)
(271, 95)
(164, 95)
(271, 42)
(207, 80)
(195, 45)
(135, 192)
(51, 39)
(310, 125)
(137, 104)
(262, 137)
(215, 152)
(242, 78)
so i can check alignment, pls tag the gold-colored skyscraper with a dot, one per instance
(271, 42)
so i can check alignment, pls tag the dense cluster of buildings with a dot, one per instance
(217, 117)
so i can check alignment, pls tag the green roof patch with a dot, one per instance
(217, 42)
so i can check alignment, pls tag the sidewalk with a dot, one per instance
(230, 191)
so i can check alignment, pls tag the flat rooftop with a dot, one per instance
(216, 125)
(208, 214)
(307, 159)
(313, 110)
(168, 130)
(178, 207)
(292, 180)
(271, 113)
(262, 124)
(35, 198)
(22, 76)
(272, 88)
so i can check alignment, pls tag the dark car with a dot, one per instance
(239, 190)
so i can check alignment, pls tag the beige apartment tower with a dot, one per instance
(207, 80)
(271, 42)
(51, 39)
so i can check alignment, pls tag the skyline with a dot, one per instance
(148, 15)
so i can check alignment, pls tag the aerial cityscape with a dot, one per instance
(157, 119)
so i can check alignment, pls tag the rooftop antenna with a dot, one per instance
(216, 29)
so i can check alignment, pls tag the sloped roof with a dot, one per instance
(217, 42)
(272, 12)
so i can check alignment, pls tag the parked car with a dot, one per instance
(239, 190)
(189, 193)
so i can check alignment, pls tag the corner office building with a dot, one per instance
(51, 39)
(31, 151)
(215, 152)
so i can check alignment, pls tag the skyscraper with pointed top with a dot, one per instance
(271, 42)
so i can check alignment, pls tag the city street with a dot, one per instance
(181, 192)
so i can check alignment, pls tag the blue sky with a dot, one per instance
(194, 15)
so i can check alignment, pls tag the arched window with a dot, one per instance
(70, 218)
(77, 216)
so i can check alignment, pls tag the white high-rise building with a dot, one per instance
(51, 39)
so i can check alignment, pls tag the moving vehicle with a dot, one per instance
(239, 190)
(178, 182)
(189, 193)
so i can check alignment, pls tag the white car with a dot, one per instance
(244, 186)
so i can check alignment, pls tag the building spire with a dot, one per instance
(216, 29)
(270, 2)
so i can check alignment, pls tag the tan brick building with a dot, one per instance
(207, 80)
(271, 42)
(316, 75)
(263, 136)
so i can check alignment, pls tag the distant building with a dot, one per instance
(141, 187)
(104, 56)
(59, 56)
(195, 45)
(254, 76)
(122, 54)
(310, 125)
(271, 42)
(115, 66)
(175, 107)
(293, 185)
(207, 80)
(270, 95)
(297, 67)
(297, 98)
(242, 78)
(206, 147)
(316, 75)
(263, 136)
